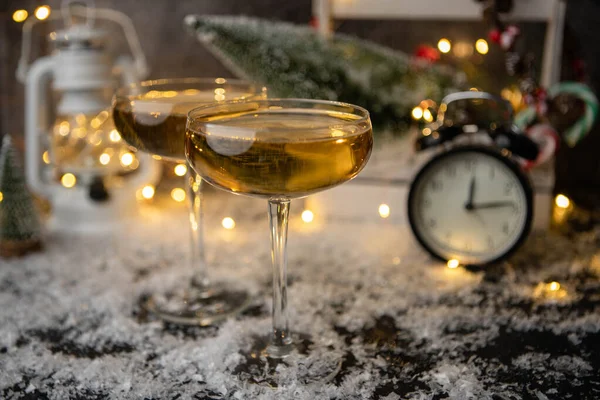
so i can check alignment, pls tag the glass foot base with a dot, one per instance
(197, 306)
(306, 363)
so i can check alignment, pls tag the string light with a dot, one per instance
(42, 12)
(178, 194)
(20, 15)
(444, 45)
(46, 157)
(126, 159)
(453, 263)
(104, 159)
(417, 113)
(562, 201)
(384, 210)
(307, 216)
(114, 136)
(148, 192)
(180, 169)
(481, 46)
(1, 197)
(228, 223)
(427, 115)
(68, 180)
(64, 128)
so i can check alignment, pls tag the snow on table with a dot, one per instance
(407, 326)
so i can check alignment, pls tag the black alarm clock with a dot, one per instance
(473, 203)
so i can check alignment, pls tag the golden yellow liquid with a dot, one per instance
(154, 122)
(280, 154)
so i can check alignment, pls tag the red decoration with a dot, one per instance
(427, 53)
(314, 22)
(495, 35)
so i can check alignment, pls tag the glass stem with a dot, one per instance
(196, 212)
(281, 341)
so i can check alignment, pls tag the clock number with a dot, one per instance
(492, 173)
(505, 228)
(470, 164)
(468, 246)
(490, 242)
(451, 171)
(436, 185)
(426, 203)
(508, 187)
(432, 223)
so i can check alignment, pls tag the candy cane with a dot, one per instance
(584, 124)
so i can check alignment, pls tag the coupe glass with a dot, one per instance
(151, 117)
(279, 150)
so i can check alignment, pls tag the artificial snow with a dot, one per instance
(405, 326)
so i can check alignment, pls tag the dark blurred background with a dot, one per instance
(173, 53)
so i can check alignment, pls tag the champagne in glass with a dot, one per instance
(151, 117)
(279, 149)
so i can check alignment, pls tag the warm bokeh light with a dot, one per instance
(46, 157)
(1, 197)
(396, 260)
(42, 12)
(482, 46)
(178, 194)
(64, 128)
(180, 169)
(426, 131)
(417, 113)
(384, 210)
(228, 223)
(148, 192)
(126, 159)
(463, 49)
(68, 180)
(562, 201)
(114, 136)
(553, 286)
(20, 15)
(427, 115)
(307, 216)
(444, 45)
(453, 263)
(104, 159)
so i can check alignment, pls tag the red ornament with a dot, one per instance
(314, 22)
(427, 53)
(495, 35)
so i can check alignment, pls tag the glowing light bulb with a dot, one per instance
(126, 159)
(417, 113)
(453, 263)
(42, 12)
(20, 15)
(46, 157)
(148, 192)
(114, 136)
(427, 115)
(481, 46)
(384, 210)
(554, 286)
(180, 169)
(444, 45)
(307, 216)
(178, 194)
(68, 180)
(104, 159)
(562, 201)
(228, 223)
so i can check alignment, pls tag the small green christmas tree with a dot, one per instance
(19, 220)
(294, 61)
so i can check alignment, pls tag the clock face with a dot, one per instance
(470, 204)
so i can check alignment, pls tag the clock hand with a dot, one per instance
(469, 205)
(493, 204)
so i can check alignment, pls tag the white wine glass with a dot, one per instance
(151, 117)
(279, 150)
